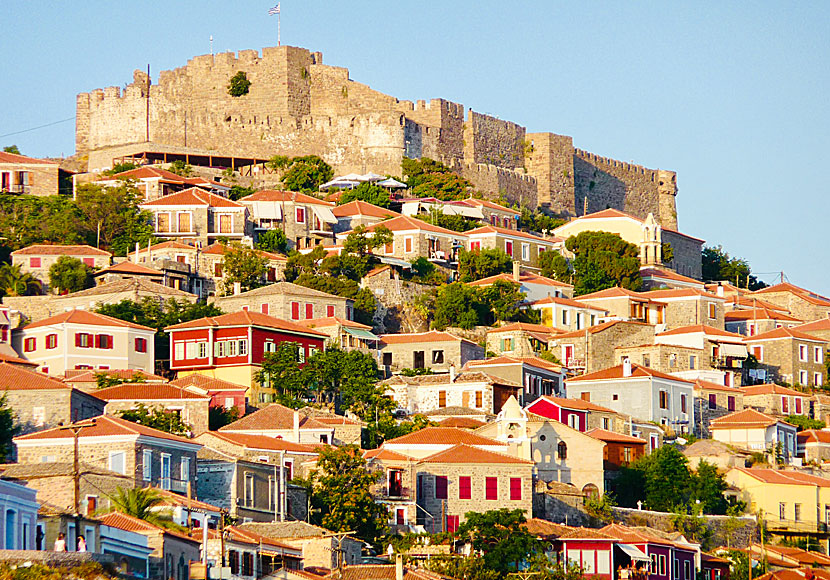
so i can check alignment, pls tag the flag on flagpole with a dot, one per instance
(275, 9)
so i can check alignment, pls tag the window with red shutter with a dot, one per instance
(508, 248)
(452, 524)
(309, 311)
(516, 488)
(83, 340)
(730, 403)
(465, 487)
(51, 341)
(798, 405)
(34, 262)
(29, 344)
(491, 488)
(440, 487)
(141, 345)
(295, 310)
(330, 310)
(264, 308)
(89, 262)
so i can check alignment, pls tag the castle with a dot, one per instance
(296, 105)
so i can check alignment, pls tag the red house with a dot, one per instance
(232, 347)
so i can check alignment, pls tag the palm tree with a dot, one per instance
(15, 282)
(139, 502)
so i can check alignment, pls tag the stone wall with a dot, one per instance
(719, 526)
(493, 141)
(513, 185)
(551, 161)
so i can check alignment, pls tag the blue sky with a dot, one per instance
(733, 96)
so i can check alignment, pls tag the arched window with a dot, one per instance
(590, 490)
(562, 450)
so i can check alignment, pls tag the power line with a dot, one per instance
(36, 128)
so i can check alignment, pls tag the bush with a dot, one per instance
(239, 84)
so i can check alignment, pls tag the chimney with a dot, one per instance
(237, 288)
(626, 367)
(720, 290)
(452, 372)
(517, 272)
(296, 426)
(135, 260)
(398, 567)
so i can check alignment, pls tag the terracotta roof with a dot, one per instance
(384, 454)
(457, 411)
(753, 302)
(7, 358)
(254, 441)
(466, 376)
(783, 333)
(416, 337)
(616, 292)
(130, 268)
(612, 437)
(192, 196)
(125, 374)
(544, 528)
(508, 232)
(284, 196)
(524, 326)
(133, 285)
(823, 324)
(281, 288)
(292, 529)
(60, 250)
(811, 297)
(333, 321)
(566, 302)
(358, 207)
(510, 360)
(104, 426)
(246, 318)
(700, 384)
(405, 223)
(461, 423)
(126, 522)
(273, 417)
(219, 249)
(577, 404)
(598, 328)
(804, 573)
(22, 159)
(632, 536)
(705, 329)
(15, 378)
(524, 278)
(462, 453)
(614, 213)
(782, 477)
(84, 317)
(27, 471)
(443, 436)
(814, 436)
(679, 293)
(771, 389)
(168, 498)
(667, 274)
(148, 172)
(490, 204)
(207, 383)
(169, 245)
(147, 392)
(743, 419)
(637, 371)
(759, 314)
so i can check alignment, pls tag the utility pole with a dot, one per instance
(76, 473)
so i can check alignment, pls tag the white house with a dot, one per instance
(19, 520)
(755, 431)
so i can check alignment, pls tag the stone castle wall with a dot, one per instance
(296, 105)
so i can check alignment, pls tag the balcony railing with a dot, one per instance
(396, 492)
(727, 362)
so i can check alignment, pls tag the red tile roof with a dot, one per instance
(514, 360)
(127, 523)
(207, 383)
(358, 207)
(700, 384)
(577, 404)
(759, 314)
(803, 293)
(637, 371)
(84, 317)
(490, 204)
(462, 453)
(632, 536)
(614, 213)
(484, 230)
(384, 454)
(273, 417)
(253, 441)
(147, 392)
(60, 250)
(461, 423)
(168, 498)
(782, 477)
(219, 249)
(284, 196)
(526, 327)
(416, 337)
(246, 318)
(193, 196)
(130, 268)
(442, 436)
(566, 302)
(405, 223)
(706, 330)
(668, 275)
(104, 426)
(333, 321)
(598, 328)
(170, 245)
(16, 378)
(148, 172)
(743, 419)
(76, 376)
(783, 333)
(770, 389)
(524, 278)
(679, 293)
(612, 437)
(7, 358)
(616, 292)
(544, 528)
(823, 324)
(22, 159)
(814, 436)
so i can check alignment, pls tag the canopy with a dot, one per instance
(392, 184)
(372, 177)
(735, 350)
(360, 333)
(324, 213)
(340, 183)
(634, 552)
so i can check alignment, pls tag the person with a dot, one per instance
(81, 544)
(60, 543)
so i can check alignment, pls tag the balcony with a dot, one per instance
(396, 493)
(727, 362)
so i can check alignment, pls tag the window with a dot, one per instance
(713, 311)
(117, 462)
(564, 318)
(103, 341)
(91, 506)
(329, 310)
(782, 511)
(798, 404)
(249, 489)
(475, 246)
(516, 488)
(627, 454)
(573, 420)
(217, 270)
(664, 400)
(440, 487)
(802, 377)
(163, 222)
(713, 402)
(185, 469)
(817, 358)
(562, 450)
(662, 565)
(797, 512)
(687, 570)
(225, 223)
(30, 344)
(606, 423)
(730, 403)
(407, 244)
(465, 487)
(817, 379)
(692, 362)
(506, 344)
(34, 262)
(141, 345)
(178, 350)
(479, 397)
(802, 352)
(676, 568)
(683, 403)
(653, 567)
(508, 248)
(442, 399)
(437, 357)
(165, 471)
(646, 360)
(83, 340)
(526, 252)
(299, 215)
(295, 311)
(230, 348)
(452, 523)
(491, 488)
(263, 308)
(147, 465)
(785, 404)
(184, 222)
(51, 341)
(242, 347)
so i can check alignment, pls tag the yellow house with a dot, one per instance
(785, 500)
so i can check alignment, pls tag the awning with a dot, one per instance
(395, 262)
(634, 552)
(324, 213)
(267, 210)
(734, 350)
(360, 333)
(470, 212)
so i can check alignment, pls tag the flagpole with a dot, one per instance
(279, 17)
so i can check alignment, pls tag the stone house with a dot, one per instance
(435, 350)
(149, 456)
(221, 393)
(567, 314)
(519, 339)
(155, 182)
(87, 381)
(297, 458)
(537, 376)
(305, 220)
(791, 356)
(776, 400)
(347, 334)
(756, 432)
(659, 278)
(395, 488)
(534, 286)
(278, 421)
(414, 238)
(172, 551)
(38, 258)
(667, 358)
(722, 350)
(799, 302)
(30, 176)
(197, 216)
(426, 441)
(212, 269)
(522, 247)
(557, 451)
(640, 391)
(647, 235)
(817, 328)
(820, 407)
(470, 389)
(78, 339)
(128, 270)
(359, 213)
(289, 301)
(191, 407)
(712, 401)
(814, 445)
(179, 261)
(346, 431)
(689, 306)
(750, 322)
(319, 547)
(721, 455)
(249, 490)
(41, 402)
(250, 555)
(592, 349)
(623, 304)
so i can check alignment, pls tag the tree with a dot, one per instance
(457, 304)
(12, 149)
(667, 252)
(239, 84)
(139, 503)
(600, 507)
(69, 274)
(708, 487)
(104, 379)
(603, 260)
(307, 174)
(341, 493)
(385, 426)
(554, 265)
(500, 537)
(428, 178)
(115, 210)
(538, 221)
(477, 264)
(468, 568)
(280, 373)
(180, 167)
(243, 266)
(668, 481)
(362, 242)
(804, 422)
(120, 168)
(272, 241)
(156, 418)
(719, 266)
(368, 192)
(29, 219)
(237, 192)
(278, 162)
(219, 416)
(8, 429)
(15, 282)
(350, 375)
(502, 298)
(455, 222)
(365, 305)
